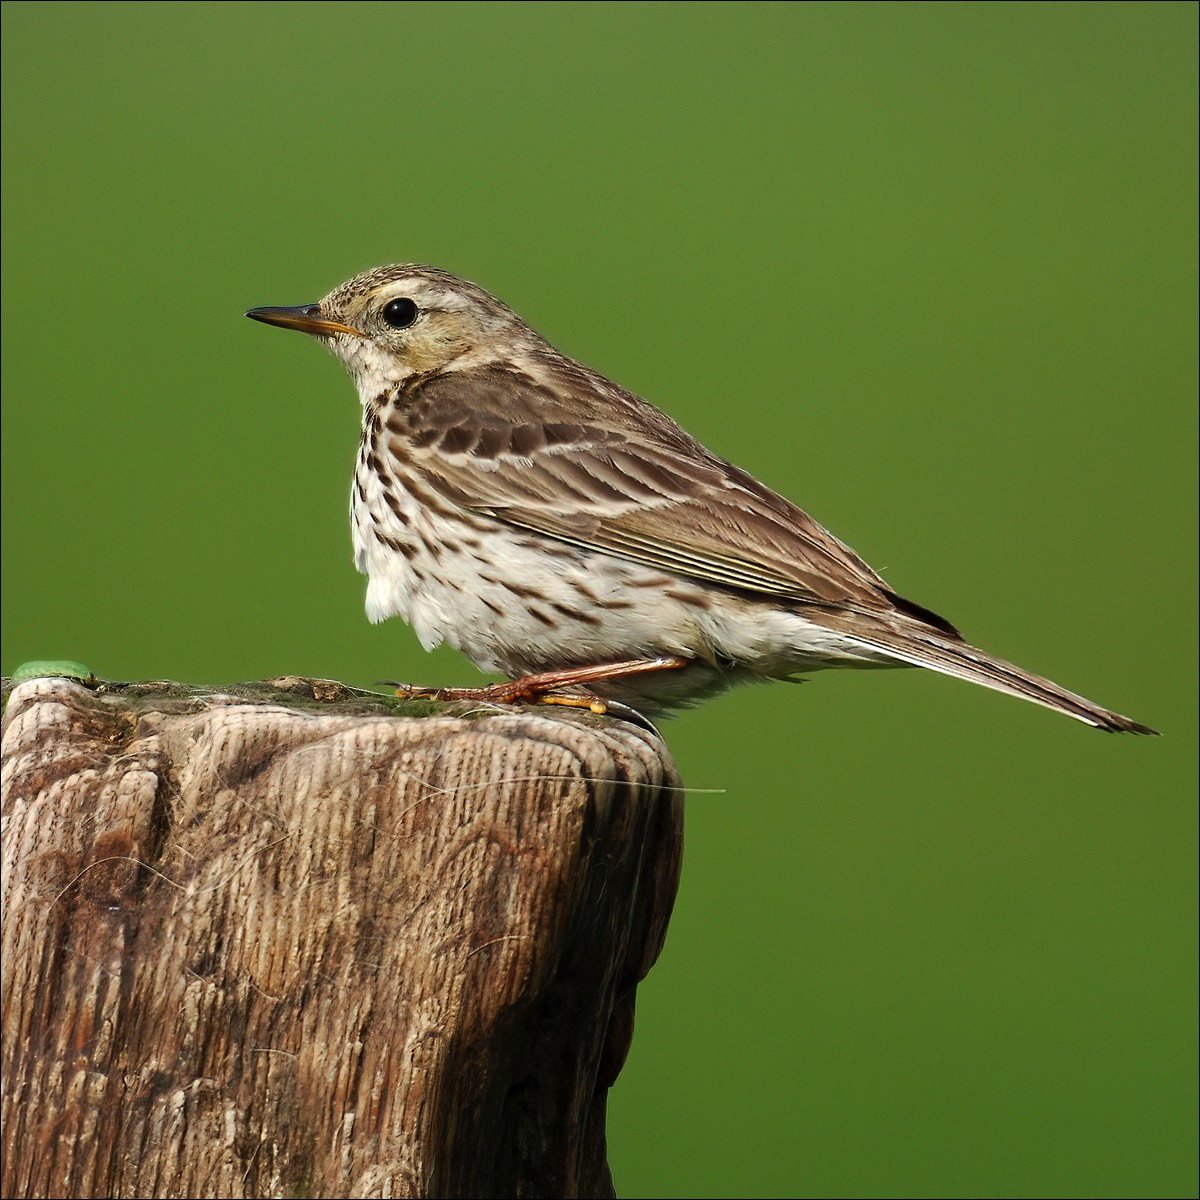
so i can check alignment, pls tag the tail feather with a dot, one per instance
(939, 652)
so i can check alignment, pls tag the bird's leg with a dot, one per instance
(546, 687)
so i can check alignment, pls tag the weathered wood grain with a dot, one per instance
(257, 944)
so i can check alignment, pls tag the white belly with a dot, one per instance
(515, 603)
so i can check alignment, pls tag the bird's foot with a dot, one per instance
(549, 687)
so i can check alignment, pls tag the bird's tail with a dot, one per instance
(922, 647)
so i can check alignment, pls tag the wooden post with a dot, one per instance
(289, 939)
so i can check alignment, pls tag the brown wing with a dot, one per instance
(571, 456)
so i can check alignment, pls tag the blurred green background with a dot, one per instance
(927, 269)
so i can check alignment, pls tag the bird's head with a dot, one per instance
(392, 323)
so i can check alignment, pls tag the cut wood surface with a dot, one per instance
(289, 939)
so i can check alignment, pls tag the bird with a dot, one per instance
(561, 531)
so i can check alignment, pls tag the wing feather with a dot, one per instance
(569, 455)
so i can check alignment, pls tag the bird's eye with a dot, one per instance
(400, 314)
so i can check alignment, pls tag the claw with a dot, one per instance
(548, 688)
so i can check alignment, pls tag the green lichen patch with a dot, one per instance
(53, 668)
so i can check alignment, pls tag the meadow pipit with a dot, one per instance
(562, 531)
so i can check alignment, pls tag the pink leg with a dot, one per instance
(545, 688)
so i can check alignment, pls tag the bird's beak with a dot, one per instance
(305, 317)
